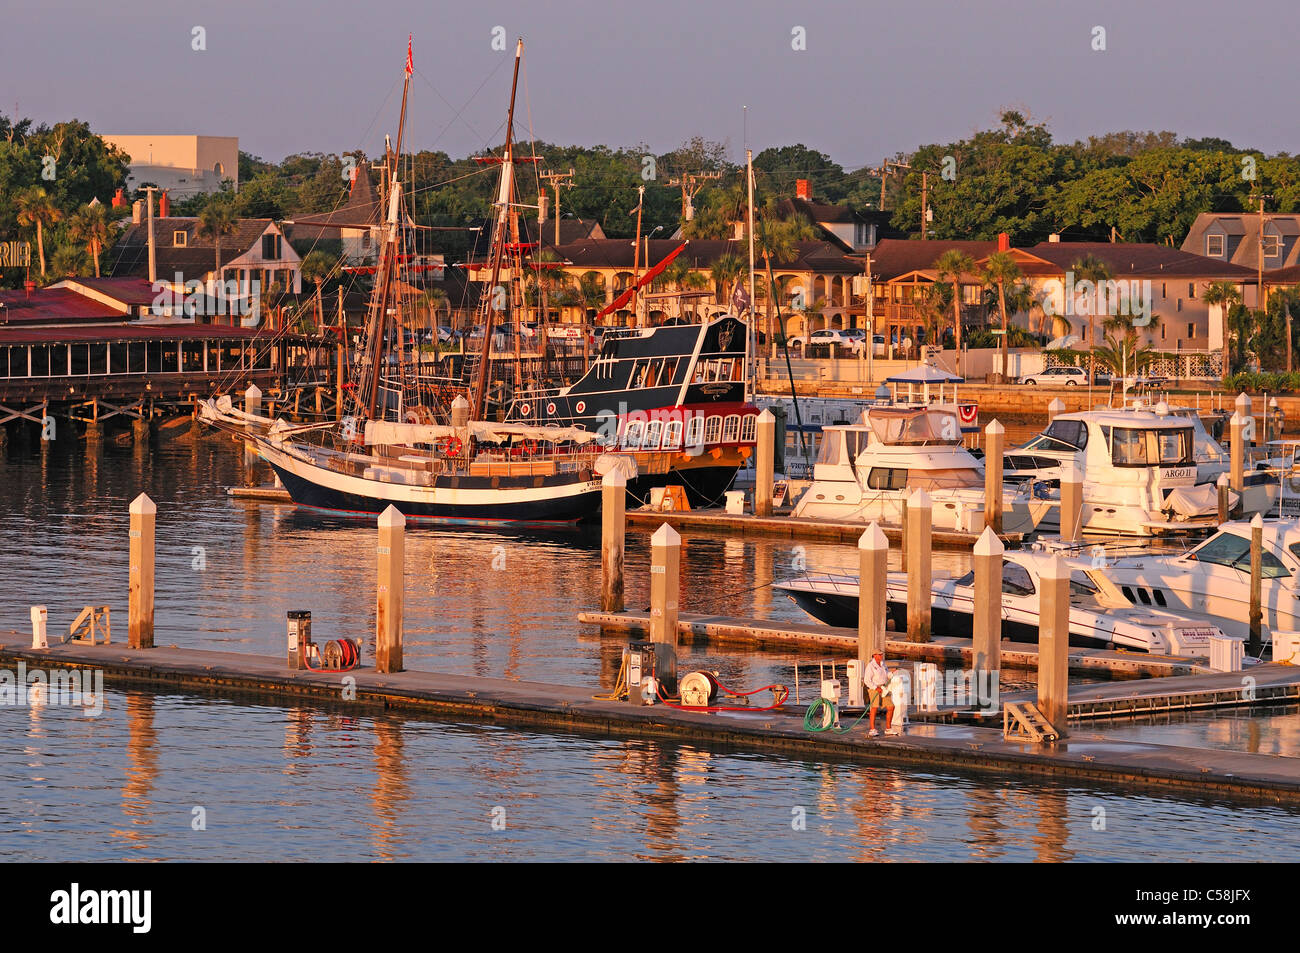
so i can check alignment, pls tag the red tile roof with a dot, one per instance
(899, 256)
(53, 306)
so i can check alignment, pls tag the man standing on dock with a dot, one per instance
(877, 681)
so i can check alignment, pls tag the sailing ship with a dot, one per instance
(392, 448)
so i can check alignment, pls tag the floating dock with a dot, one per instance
(1083, 757)
(702, 629)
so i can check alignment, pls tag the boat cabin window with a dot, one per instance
(945, 479)
(748, 428)
(1065, 435)
(855, 441)
(1233, 551)
(713, 430)
(731, 428)
(1016, 580)
(1081, 584)
(632, 435)
(831, 451)
(1168, 447)
(887, 478)
(673, 434)
(719, 370)
(695, 432)
(653, 431)
(897, 426)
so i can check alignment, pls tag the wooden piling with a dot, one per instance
(1054, 641)
(140, 430)
(252, 405)
(613, 503)
(986, 647)
(665, 591)
(1055, 409)
(1237, 451)
(391, 552)
(1071, 502)
(994, 438)
(1224, 507)
(765, 462)
(919, 570)
(873, 577)
(140, 595)
(1255, 643)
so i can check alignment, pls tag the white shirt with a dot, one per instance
(877, 675)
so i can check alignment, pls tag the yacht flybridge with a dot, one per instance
(865, 472)
(1145, 472)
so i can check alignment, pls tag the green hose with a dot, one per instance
(814, 719)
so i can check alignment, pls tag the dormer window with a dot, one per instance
(271, 247)
(1272, 246)
(1214, 246)
(179, 239)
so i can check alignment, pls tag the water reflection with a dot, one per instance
(141, 769)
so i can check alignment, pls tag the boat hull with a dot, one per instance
(513, 501)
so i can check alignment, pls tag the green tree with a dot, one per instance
(951, 267)
(1000, 270)
(1093, 269)
(36, 209)
(89, 225)
(725, 269)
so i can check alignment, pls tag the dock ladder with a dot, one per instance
(1022, 721)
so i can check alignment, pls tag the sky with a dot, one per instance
(872, 78)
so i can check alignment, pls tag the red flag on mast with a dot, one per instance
(410, 56)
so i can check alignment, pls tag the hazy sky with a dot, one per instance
(875, 78)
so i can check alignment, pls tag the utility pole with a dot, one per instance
(1260, 298)
(691, 183)
(925, 203)
(636, 250)
(751, 340)
(153, 257)
(557, 181)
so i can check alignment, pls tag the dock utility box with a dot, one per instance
(1286, 647)
(655, 660)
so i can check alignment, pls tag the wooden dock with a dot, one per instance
(260, 494)
(1087, 758)
(694, 627)
(791, 527)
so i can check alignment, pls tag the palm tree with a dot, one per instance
(1226, 295)
(90, 225)
(724, 270)
(36, 208)
(1000, 270)
(217, 220)
(68, 261)
(777, 240)
(950, 268)
(1091, 268)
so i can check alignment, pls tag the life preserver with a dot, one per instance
(450, 447)
(580, 406)
(525, 409)
(550, 409)
(968, 412)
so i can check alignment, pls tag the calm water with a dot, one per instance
(299, 783)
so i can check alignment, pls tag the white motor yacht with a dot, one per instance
(1145, 472)
(865, 472)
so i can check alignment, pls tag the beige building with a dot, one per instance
(184, 165)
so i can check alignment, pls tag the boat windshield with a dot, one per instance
(1151, 447)
(1233, 551)
(1063, 436)
(944, 479)
(897, 426)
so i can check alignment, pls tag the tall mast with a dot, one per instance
(504, 193)
(751, 342)
(388, 261)
(636, 253)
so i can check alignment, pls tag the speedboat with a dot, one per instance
(1100, 615)
(866, 471)
(1213, 577)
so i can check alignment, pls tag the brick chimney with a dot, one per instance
(137, 211)
(119, 198)
(164, 205)
(802, 190)
(1004, 241)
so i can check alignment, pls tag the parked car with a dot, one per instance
(1064, 377)
(879, 346)
(850, 339)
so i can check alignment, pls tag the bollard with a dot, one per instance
(1224, 500)
(994, 437)
(298, 623)
(1237, 451)
(388, 594)
(1054, 642)
(665, 583)
(1256, 642)
(986, 624)
(1055, 409)
(613, 503)
(765, 462)
(40, 616)
(919, 570)
(252, 405)
(140, 597)
(1071, 516)
(873, 577)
